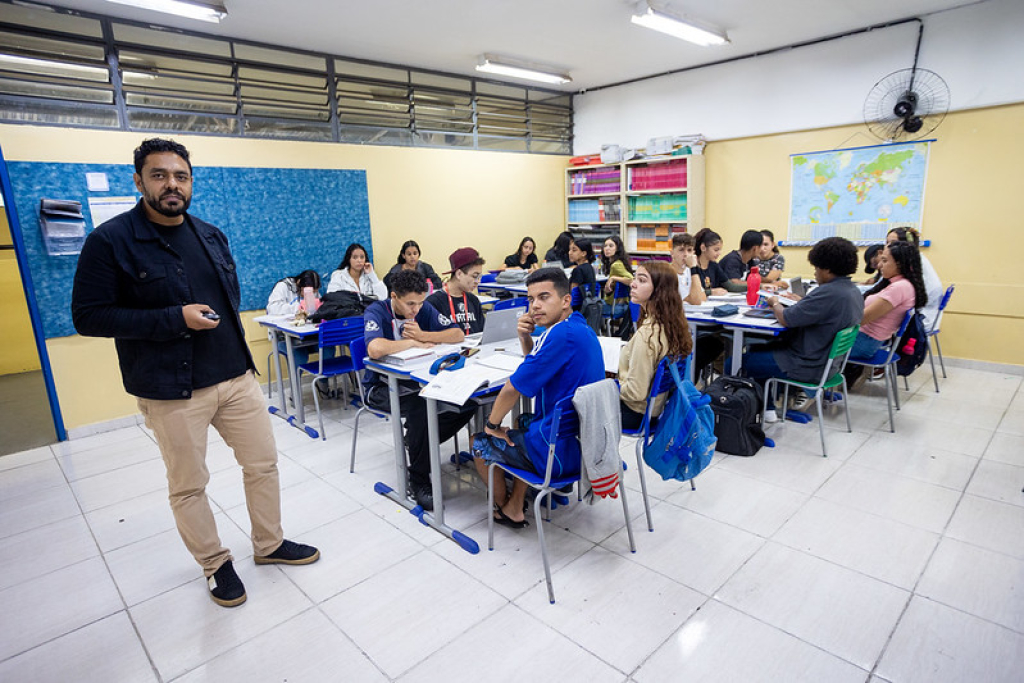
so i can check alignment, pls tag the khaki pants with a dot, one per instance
(237, 410)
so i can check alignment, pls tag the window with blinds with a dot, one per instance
(68, 68)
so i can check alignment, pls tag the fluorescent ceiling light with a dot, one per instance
(183, 8)
(687, 29)
(530, 72)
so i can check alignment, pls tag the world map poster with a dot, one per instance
(859, 193)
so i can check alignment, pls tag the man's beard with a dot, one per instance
(154, 204)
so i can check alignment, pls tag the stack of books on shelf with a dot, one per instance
(656, 238)
(594, 210)
(667, 176)
(595, 181)
(667, 207)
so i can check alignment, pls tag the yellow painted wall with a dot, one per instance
(442, 198)
(18, 346)
(972, 214)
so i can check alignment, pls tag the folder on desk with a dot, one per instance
(407, 356)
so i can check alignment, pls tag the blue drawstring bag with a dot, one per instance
(684, 439)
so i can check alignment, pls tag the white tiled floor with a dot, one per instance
(898, 558)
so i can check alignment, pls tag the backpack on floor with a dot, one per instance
(737, 403)
(912, 359)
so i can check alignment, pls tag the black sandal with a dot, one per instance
(505, 520)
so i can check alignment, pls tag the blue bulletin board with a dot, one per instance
(279, 222)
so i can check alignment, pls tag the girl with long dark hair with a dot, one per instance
(355, 274)
(525, 257)
(900, 289)
(409, 259)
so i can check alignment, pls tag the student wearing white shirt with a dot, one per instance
(683, 261)
(356, 274)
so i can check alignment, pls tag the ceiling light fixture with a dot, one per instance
(531, 72)
(687, 29)
(190, 9)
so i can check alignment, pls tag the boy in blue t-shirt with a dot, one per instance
(565, 357)
(404, 321)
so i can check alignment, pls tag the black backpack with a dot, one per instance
(737, 404)
(336, 305)
(912, 360)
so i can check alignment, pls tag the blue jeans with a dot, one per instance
(864, 347)
(759, 366)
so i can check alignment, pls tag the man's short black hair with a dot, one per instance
(556, 276)
(408, 281)
(836, 255)
(155, 146)
(751, 239)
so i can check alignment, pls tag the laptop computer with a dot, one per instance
(498, 326)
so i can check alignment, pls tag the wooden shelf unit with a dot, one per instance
(656, 198)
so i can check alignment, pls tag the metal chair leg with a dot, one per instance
(643, 482)
(846, 405)
(931, 359)
(355, 438)
(821, 422)
(938, 347)
(888, 401)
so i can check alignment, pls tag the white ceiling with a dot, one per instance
(592, 39)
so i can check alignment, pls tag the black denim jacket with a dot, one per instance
(130, 285)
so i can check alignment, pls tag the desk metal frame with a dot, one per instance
(288, 334)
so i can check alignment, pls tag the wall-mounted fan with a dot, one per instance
(906, 105)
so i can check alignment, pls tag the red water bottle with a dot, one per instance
(908, 348)
(753, 285)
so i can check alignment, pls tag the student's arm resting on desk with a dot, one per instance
(283, 300)
(380, 347)
(97, 308)
(412, 331)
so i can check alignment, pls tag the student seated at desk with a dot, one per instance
(565, 357)
(287, 297)
(525, 257)
(812, 323)
(707, 245)
(559, 252)
(770, 262)
(932, 283)
(409, 259)
(684, 262)
(885, 305)
(581, 253)
(737, 263)
(404, 321)
(615, 264)
(355, 274)
(661, 331)
(456, 298)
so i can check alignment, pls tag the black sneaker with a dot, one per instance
(226, 588)
(423, 494)
(290, 552)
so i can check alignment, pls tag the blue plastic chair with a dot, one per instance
(518, 302)
(620, 301)
(333, 333)
(886, 359)
(357, 350)
(565, 424)
(934, 333)
(488, 277)
(661, 383)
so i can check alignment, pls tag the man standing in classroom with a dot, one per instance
(162, 283)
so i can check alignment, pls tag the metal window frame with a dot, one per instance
(431, 125)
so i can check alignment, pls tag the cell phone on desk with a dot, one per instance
(468, 353)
